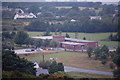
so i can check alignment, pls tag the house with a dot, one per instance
(72, 20)
(36, 65)
(39, 70)
(95, 17)
(24, 15)
(70, 44)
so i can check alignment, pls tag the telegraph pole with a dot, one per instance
(43, 57)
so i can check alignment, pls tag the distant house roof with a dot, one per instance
(72, 20)
(95, 17)
(36, 65)
(24, 15)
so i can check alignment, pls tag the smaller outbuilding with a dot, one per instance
(95, 17)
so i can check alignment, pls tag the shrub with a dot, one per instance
(111, 65)
(103, 62)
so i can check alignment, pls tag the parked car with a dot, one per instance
(39, 49)
(29, 50)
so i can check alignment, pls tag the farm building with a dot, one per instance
(70, 44)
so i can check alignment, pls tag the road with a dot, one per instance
(74, 69)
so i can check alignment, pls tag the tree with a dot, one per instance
(97, 53)
(12, 62)
(38, 42)
(84, 38)
(67, 35)
(21, 37)
(8, 14)
(34, 9)
(103, 62)
(47, 33)
(104, 52)
(45, 65)
(53, 67)
(110, 37)
(31, 41)
(60, 32)
(48, 14)
(6, 35)
(13, 34)
(116, 60)
(89, 51)
(76, 35)
(75, 11)
(54, 43)
(60, 67)
(46, 43)
(37, 26)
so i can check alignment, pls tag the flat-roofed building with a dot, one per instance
(70, 44)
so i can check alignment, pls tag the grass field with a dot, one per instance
(86, 75)
(89, 36)
(109, 43)
(74, 59)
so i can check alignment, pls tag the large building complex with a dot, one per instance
(70, 44)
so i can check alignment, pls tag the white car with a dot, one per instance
(39, 49)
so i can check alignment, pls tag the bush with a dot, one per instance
(111, 65)
(16, 74)
(60, 67)
(12, 62)
(45, 65)
(116, 73)
(103, 62)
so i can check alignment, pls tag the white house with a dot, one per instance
(36, 65)
(24, 15)
(72, 20)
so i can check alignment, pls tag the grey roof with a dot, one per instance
(73, 43)
(43, 37)
(41, 71)
(71, 39)
(78, 40)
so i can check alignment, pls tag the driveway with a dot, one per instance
(74, 69)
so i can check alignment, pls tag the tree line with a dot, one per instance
(83, 25)
(115, 37)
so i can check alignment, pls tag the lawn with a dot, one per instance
(109, 43)
(89, 36)
(74, 59)
(86, 75)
